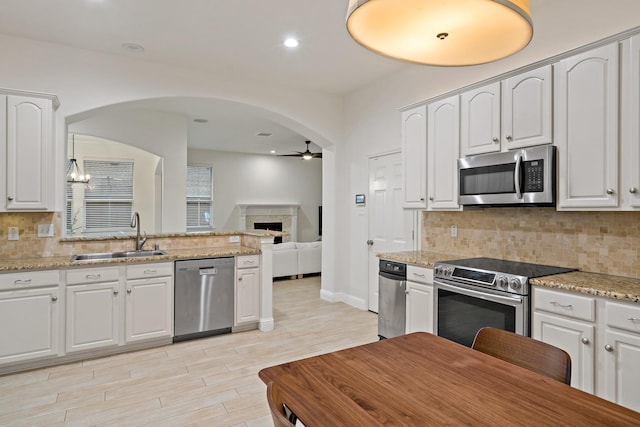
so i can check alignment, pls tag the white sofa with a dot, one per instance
(297, 258)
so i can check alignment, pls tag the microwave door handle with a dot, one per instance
(516, 176)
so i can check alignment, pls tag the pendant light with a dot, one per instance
(441, 32)
(74, 173)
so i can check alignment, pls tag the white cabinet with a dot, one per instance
(586, 117)
(27, 147)
(414, 156)
(621, 351)
(148, 301)
(630, 121)
(29, 316)
(480, 120)
(93, 308)
(247, 300)
(443, 148)
(419, 303)
(527, 109)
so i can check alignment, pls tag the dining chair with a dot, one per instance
(537, 356)
(282, 416)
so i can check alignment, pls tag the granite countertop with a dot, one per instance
(602, 285)
(43, 263)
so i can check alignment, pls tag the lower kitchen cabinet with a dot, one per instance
(247, 308)
(419, 300)
(29, 324)
(148, 302)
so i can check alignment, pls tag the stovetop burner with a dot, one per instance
(509, 267)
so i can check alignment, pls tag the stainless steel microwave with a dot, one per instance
(514, 178)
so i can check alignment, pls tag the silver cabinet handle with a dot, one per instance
(92, 276)
(509, 137)
(407, 291)
(634, 319)
(431, 198)
(633, 190)
(370, 242)
(150, 271)
(557, 304)
(54, 298)
(422, 199)
(249, 262)
(129, 290)
(418, 275)
(495, 140)
(22, 282)
(239, 279)
(115, 292)
(610, 191)
(10, 198)
(608, 348)
(585, 340)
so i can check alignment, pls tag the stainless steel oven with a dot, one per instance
(477, 292)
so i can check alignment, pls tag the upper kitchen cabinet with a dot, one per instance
(480, 120)
(586, 128)
(513, 113)
(527, 109)
(443, 147)
(26, 144)
(414, 154)
(630, 121)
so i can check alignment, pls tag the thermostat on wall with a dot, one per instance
(359, 199)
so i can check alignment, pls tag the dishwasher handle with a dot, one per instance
(208, 271)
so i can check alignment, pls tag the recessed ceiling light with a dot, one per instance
(291, 42)
(273, 151)
(263, 134)
(133, 47)
(201, 120)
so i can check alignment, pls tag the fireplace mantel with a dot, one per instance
(286, 211)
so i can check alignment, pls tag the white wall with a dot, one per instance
(256, 179)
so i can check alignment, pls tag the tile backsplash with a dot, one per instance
(601, 242)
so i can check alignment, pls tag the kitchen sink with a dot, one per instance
(112, 255)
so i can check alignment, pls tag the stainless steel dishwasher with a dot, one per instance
(204, 297)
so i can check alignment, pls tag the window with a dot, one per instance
(199, 196)
(108, 200)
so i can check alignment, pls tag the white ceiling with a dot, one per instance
(244, 38)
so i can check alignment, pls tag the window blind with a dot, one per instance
(199, 196)
(108, 201)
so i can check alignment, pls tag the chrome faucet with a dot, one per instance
(135, 222)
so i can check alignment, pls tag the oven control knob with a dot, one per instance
(438, 270)
(516, 284)
(449, 271)
(503, 282)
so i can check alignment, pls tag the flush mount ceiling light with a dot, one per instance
(441, 32)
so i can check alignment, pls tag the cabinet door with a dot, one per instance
(414, 156)
(29, 168)
(480, 120)
(248, 296)
(622, 359)
(29, 324)
(149, 309)
(419, 308)
(586, 128)
(526, 109)
(630, 189)
(576, 338)
(443, 148)
(92, 316)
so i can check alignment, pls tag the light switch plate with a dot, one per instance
(45, 230)
(234, 239)
(14, 233)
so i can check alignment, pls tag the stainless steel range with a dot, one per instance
(476, 292)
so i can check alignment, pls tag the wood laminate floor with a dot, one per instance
(212, 381)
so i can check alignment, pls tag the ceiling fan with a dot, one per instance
(306, 155)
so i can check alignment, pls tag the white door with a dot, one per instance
(390, 226)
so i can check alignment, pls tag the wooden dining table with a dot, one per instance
(421, 379)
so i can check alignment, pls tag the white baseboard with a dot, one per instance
(266, 325)
(358, 303)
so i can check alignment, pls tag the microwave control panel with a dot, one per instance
(533, 176)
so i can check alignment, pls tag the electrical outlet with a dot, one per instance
(14, 233)
(45, 230)
(234, 239)
(454, 231)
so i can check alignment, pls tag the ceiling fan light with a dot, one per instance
(307, 156)
(444, 33)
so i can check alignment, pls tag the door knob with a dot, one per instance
(370, 242)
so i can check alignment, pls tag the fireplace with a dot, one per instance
(271, 226)
(286, 215)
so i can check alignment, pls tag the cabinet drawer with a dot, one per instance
(29, 279)
(566, 304)
(248, 261)
(141, 271)
(93, 275)
(623, 316)
(420, 274)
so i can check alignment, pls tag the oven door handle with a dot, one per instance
(516, 176)
(514, 300)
